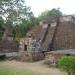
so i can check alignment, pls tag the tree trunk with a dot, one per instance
(73, 73)
(69, 73)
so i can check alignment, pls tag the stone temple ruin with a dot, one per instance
(8, 47)
(53, 33)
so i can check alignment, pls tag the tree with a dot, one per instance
(1, 27)
(17, 16)
(1, 23)
(14, 10)
(23, 28)
(54, 12)
(67, 63)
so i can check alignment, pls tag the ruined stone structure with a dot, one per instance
(29, 49)
(53, 33)
(60, 34)
(7, 44)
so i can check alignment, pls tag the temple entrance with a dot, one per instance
(25, 47)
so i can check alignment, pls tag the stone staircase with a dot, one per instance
(48, 38)
(42, 34)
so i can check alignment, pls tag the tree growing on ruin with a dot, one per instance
(54, 12)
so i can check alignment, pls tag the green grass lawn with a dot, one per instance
(24, 68)
(8, 70)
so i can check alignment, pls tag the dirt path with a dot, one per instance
(37, 67)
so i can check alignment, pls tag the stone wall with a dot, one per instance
(66, 18)
(31, 56)
(65, 37)
(51, 59)
(54, 56)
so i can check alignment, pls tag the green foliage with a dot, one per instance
(21, 29)
(53, 12)
(19, 17)
(1, 23)
(1, 26)
(16, 10)
(67, 63)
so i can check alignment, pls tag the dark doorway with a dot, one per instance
(25, 47)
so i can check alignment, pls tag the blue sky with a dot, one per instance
(38, 6)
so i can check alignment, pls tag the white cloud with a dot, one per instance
(38, 6)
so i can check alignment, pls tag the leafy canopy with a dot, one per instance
(47, 13)
(67, 63)
(14, 10)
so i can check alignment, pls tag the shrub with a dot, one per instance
(67, 63)
(2, 57)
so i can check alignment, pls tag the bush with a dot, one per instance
(2, 57)
(67, 63)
